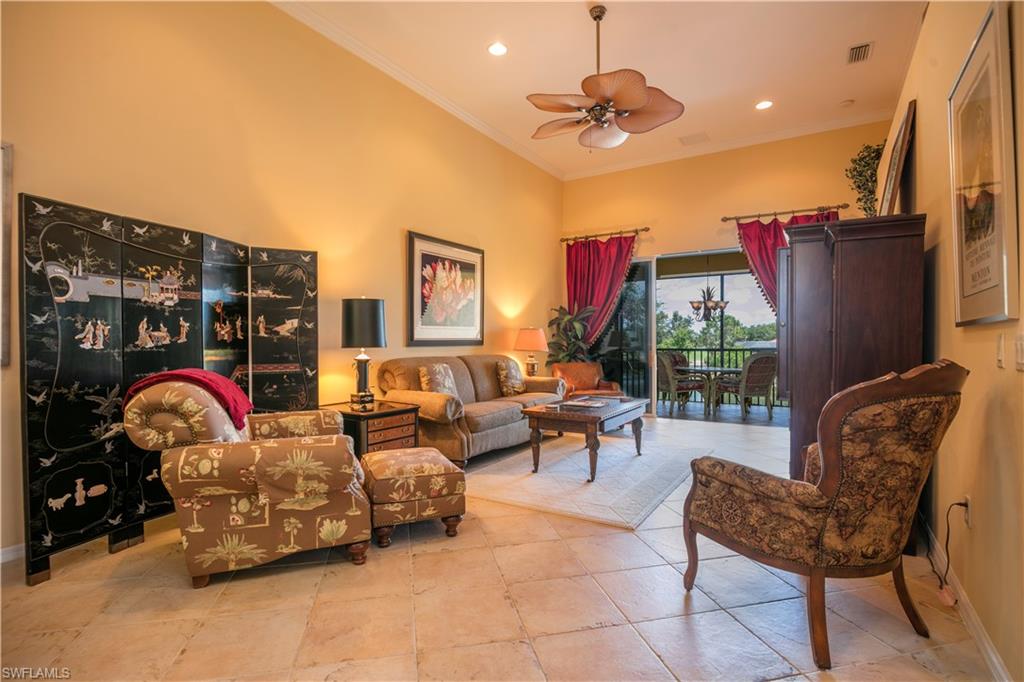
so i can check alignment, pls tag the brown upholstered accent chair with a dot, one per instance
(285, 483)
(676, 384)
(584, 378)
(852, 514)
(756, 380)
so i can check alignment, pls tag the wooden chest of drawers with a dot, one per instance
(389, 426)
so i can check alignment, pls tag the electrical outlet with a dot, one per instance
(967, 510)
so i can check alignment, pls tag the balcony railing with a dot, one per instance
(722, 357)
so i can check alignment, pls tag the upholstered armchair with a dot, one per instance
(852, 514)
(285, 483)
(757, 379)
(584, 378)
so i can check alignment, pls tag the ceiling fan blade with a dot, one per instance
(559, 126)
(603, 137)
(561, 104)
(660, 109)
(625, 88)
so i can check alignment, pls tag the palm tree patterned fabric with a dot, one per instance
(886, 452)
(413, 484)
(285, 424)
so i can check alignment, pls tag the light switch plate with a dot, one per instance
(999, 351)
(1019, 351)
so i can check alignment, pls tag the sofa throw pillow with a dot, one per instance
(510, 379)
(438, 378)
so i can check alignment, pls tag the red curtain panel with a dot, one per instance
(595, 271)
(761, 242)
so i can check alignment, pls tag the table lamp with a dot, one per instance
(362, 327)
(531, 339)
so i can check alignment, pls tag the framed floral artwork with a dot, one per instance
(983, 177)
(446, 293)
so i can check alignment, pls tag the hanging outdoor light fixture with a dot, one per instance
(705, 307)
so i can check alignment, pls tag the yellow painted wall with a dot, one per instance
(983, 453)
(237, 120)
(683, 201)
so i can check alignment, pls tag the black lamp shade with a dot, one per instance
(362, 323)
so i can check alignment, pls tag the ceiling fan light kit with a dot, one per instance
(614, 105)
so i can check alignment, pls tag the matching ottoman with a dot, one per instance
(413, 484)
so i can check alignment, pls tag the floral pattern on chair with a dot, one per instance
(852, 514)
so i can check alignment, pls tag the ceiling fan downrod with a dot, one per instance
(597, 13)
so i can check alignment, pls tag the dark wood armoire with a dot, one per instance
(851, 305)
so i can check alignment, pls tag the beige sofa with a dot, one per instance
(477, 420)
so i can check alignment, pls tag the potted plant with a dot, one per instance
(568, 331)
(863, 175)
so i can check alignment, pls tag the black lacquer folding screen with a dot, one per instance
(107, 300)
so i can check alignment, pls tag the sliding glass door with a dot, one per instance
(624, 348)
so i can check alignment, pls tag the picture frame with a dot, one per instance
(897, 160)
(6, 206)
(983, 180)
(447, 310)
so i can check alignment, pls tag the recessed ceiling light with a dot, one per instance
(764, 104)
(497, 48)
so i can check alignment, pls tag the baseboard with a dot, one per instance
(970, 617)
(11, 553)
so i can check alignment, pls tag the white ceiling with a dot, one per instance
(718, 58)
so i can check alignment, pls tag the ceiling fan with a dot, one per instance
(614, 104)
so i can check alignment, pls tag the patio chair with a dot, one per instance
(757, 380)
(675, 384)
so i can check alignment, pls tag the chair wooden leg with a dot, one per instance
(920, 627)
(200, 581)
(690, 536)
(816, 623)
(357, 552)
(451, 525)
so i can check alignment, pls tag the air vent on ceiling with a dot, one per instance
(695, 138)
(859, 53)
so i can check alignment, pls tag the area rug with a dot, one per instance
(628, 488)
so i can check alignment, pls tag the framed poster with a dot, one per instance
(446, 293)
(897, 159)
(983, 177)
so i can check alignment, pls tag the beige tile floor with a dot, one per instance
(518, 595)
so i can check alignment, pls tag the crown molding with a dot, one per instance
(738, 143)
(305, 13)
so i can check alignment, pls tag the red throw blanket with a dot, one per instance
(227, 392)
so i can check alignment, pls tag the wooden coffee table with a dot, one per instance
(590, 421)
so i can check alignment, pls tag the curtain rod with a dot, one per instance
(819, 209)
(615, 233)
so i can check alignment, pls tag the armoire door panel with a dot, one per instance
(810, 316)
